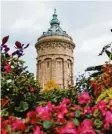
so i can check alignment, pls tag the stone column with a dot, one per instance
(37, 71)
(65, 74)
(72, 74)
(43, 72)
(53, 69)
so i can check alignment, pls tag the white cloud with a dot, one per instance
(90, 41)
(94, 45)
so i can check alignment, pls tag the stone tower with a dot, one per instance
(55, 55)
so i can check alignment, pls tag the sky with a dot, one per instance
(88, 23)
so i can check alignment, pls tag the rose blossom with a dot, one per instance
(84, 98)
(69, 129)
(19, 125)
(37, 130)
(86, 127)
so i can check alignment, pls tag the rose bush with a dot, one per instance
(65, 118)
(55, 96)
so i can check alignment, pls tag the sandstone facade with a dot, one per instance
(55, 59)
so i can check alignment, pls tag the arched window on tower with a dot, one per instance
(39, 70)
(47, 64)
(47, 69)
(69, 72)
(59, 63)
(68, 65)
(39, 64)
(59, 71)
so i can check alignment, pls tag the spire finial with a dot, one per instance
(54, 19)
(54, 10)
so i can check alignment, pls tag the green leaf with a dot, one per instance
(28, 96)
(96, 113)
(77, 113)
(54, 100)
(98, 123)
(9, 128)
(23, 106)
(47, 124)
(88, 115)
(4, 112)
(98, 131)
(76, 122)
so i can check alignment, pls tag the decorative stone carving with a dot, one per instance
(55, 44)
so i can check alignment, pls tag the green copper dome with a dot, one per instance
(55, 28)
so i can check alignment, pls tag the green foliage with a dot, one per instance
(98, 123)
(76, 122)
(56, 95)
(4, 112)
(23, 106)
(18, 85)
(82, 84)
(47, 124)
(77, 113)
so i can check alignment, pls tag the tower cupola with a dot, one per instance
(55, 28)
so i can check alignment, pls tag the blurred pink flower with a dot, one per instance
(86, 127)
(108, 118)
(84, 98)
(77, 107)
(69, 129)
(61, 110)
(45, 112)
(87, 110)
(101, 105)
(110, 104)
(32, 115)
(32, 89)
(7, 68)
(65, 101)
(19, 125)
(37, 130)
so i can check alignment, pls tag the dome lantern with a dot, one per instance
(55, 28)
(54, 19)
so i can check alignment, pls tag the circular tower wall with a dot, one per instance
(55, 56)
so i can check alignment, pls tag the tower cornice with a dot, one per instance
(55, 38)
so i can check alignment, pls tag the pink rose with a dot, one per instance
(45, 112)
(69, 129)
(32, 89)
(84, 98)
(7, 68)
(19, 125)
(86, 127)
(102, 107)
(32, 115)
(37, 130)
(108, 118)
